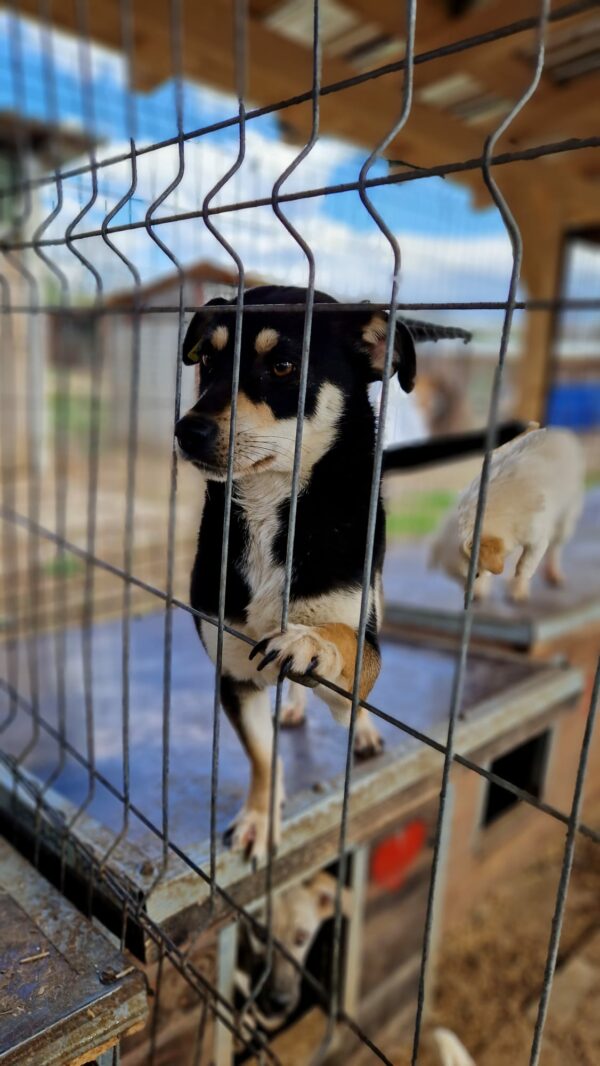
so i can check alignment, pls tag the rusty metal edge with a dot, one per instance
(119, 1007)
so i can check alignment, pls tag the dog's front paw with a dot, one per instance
(301, 650)
(249, 832)
(368, 741)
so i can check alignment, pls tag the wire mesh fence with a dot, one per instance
(99, 516)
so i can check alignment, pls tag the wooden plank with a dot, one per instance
(67, 995)
(550, 113)
(298, 1043)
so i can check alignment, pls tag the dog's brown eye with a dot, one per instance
(300, 937)
(282, 369)
(206, 360)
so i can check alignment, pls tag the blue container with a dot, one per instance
(574, 405)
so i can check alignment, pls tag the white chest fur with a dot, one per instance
(261, 501)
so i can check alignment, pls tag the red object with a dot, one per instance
(391, 860)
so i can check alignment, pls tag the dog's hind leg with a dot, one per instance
(530, 559)
(249, 711)
(293, 711)
(565, 526)
(553, 572)
(367, 738)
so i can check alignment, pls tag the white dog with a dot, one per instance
(534, 499)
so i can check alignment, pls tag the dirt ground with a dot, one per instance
(491, 966)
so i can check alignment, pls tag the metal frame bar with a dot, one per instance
(15, 246)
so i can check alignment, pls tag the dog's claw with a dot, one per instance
(268, 659)
(259, 648)
(312, 666)
(287, 662)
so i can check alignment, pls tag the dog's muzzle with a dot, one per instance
(197, 435)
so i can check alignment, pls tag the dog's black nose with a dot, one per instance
(196, 434)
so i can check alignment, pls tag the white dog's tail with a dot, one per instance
(449, 1049)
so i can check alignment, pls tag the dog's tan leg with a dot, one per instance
(367, 738)
(345, 640)
(249, 711)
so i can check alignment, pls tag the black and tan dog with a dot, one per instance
(346, 354)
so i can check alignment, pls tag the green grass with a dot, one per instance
(63, 566)
(418, 513)
(73, 412)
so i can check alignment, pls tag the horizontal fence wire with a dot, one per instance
(102, 871)
(550, 304)
(553, 148)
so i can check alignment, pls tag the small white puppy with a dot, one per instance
(535, 496)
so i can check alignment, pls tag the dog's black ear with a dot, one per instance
(196, 330)
(404, 359)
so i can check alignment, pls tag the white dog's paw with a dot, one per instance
(300, 650)
(518, 591)
(367, 738)
(249, 832)
(554, 576)
(482, 587)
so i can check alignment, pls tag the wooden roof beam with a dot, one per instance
(277, 67)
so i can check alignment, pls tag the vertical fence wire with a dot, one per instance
(565, 873)
(18, 261)
(88, 107)
(176, 44)
(274, 797)
(239, 52)
(365, 603)
(60, 436)
(127, 29)
(9, 444)
(456, 698)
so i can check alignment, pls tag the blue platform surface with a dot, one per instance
(414, 686)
